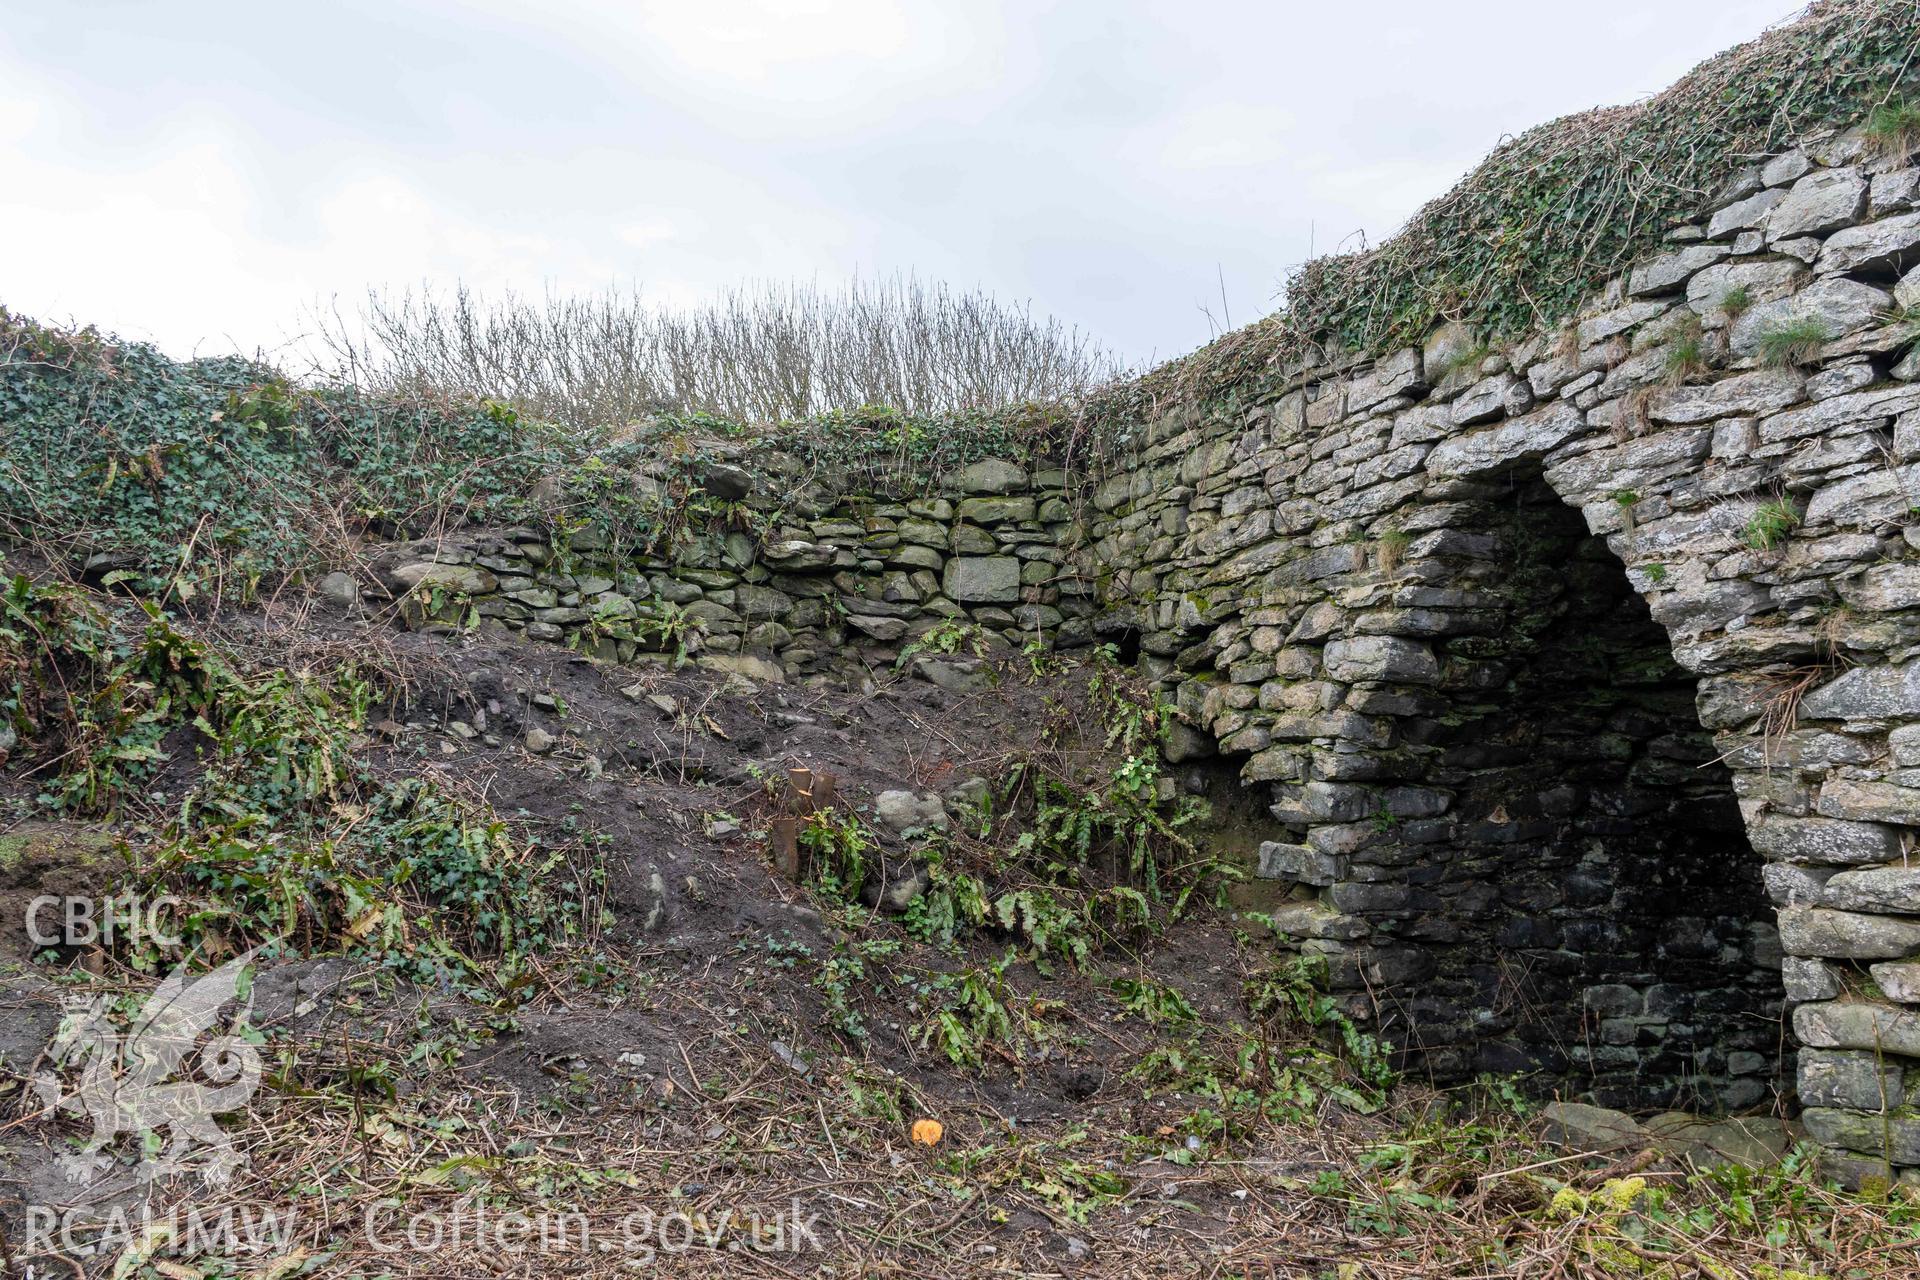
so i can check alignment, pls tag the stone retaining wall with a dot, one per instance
(839, 577)
(1517, 839)
(1557, 660)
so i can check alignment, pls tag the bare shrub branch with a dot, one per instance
(763, 351)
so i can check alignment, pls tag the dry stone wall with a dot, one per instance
(1561, 660)
(1581, 677)
(841, 572)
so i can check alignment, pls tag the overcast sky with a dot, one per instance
(201, 173)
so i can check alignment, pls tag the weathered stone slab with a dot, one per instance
(982, 579)
(1485, 400)
(1792, 885)
(797, 556)
(1899, 980)
(1866, 501)
(991, 475)
(1758, 282)
(1785, 167)
(1857, 1024)
(1889, 244)
(1315, 920)
(1393, 375)
(1872, 404)
(1847, 935)
(992, 511)
(1381, 658)
(1807, 978)
(1501, 447)
(1895, 889)
(1819, 203)
(1762, 391)
(1883, 588)
(1300, 864)
(1745, 214)
(1668, 272)
(1591, 1128)
(424, 576)
(1869, 801)
(1894, 1136)
(885, 630)
(1867, 693)
(1849, 1078)
(1839, 306)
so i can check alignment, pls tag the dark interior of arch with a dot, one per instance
(1590, 906)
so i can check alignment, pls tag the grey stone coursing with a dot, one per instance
(1534, 664)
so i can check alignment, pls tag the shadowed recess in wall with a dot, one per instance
(1587, 906)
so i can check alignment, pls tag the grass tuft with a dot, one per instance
(1686, 357)
(1770, 524)
(1893, 128)
(1794, 342)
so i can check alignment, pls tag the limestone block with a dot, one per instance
(1858, 1024)
(1819, 203)
(1895, 889)
(1889, 244)
(1300, 864)
(1761, 391)
(1839, 306)
(991, 475)
(1670, 271)
(1744, 214)
(1847, 935)
(983, 579)
(1894, 1136)
(1381, 658)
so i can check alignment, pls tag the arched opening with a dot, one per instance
(1590, 905)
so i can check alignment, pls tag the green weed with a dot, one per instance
(1770, 524)
(1893, 128)
(1794, 341)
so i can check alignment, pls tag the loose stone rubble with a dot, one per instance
(1556, 661)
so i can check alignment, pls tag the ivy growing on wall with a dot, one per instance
(1524, 238)
(187, 477)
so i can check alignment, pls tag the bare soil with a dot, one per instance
(689, 1062)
